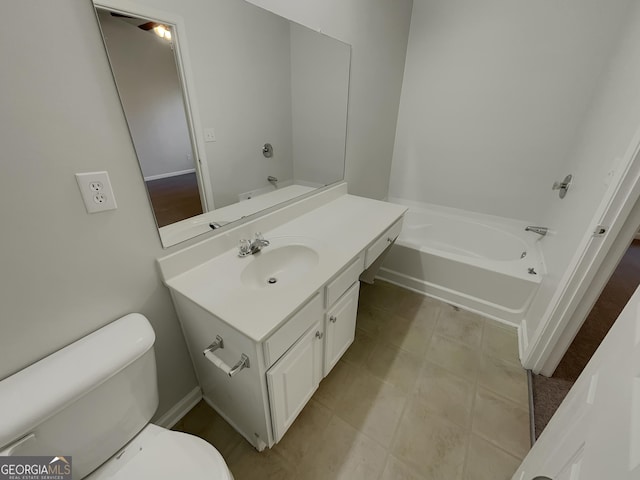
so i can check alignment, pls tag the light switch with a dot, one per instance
(209, 135)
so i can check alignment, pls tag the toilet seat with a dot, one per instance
(157, 453)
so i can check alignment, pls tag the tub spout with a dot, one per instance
(542, 231)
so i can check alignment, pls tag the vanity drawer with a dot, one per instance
(340, 284)
(382, 242)
(292, 330)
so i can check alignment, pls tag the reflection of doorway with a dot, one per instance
(149, 84)
(549, 392)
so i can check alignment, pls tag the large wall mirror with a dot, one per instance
(251, 112)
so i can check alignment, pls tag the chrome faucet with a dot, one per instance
(542, 231)
(248, 247)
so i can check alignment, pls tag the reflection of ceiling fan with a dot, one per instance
(160, 29)
(138, 22)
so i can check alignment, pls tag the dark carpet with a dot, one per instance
(548, 393)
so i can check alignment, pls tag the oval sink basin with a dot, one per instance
(279, 266)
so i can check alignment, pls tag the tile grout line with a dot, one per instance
(473, 408)
(474, 383)
(495, 445)
(532, 421)
(409, 394)
(364, 370)
(306, 459)
(500, 394)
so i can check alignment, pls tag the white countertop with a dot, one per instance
(338, 230)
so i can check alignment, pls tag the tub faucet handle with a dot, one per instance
(563, 186)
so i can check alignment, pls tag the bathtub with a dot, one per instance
(478, 262)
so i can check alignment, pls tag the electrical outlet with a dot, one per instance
(96, 191)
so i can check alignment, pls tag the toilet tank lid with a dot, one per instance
(33, 394)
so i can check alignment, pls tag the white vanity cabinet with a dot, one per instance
(382, 243)
(262, 401)
(342, 309)
(286, 335)
(340, 327)
(294, 378)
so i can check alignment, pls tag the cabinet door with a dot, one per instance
(294, 378)
(340, 327)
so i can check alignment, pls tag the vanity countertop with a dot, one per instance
(338, 230)
(186, 229)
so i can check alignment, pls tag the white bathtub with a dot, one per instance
(478, 262)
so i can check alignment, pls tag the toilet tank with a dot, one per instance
(86, 400)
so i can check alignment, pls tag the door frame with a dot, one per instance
(183, 65)
(590, 268)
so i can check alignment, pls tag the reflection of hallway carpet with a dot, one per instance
(174, 198)
(548, 393)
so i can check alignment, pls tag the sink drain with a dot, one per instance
(272, 280)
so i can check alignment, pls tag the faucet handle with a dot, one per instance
(244, 247)
(260, 239)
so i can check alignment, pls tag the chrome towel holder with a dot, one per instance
(221, 364)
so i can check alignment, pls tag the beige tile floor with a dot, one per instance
(426, 392)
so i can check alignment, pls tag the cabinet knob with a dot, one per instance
(319, 335)
(333, 319)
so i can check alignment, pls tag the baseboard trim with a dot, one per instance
(170, 174)
(444, 295)
(257, 442)
(523, 339)
(180, 409)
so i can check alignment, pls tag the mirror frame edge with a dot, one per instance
(183, 66)
(192, 113)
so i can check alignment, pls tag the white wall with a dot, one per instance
(494, 94)
(241, 66)
(241, 72)
(65, 273)
(319, 96)
(377, 32)
(151, 94)
(610, 124)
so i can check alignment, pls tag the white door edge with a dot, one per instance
(548, 343)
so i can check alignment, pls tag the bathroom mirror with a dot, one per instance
(249, 114)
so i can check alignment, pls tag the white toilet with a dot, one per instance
(92, 401)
